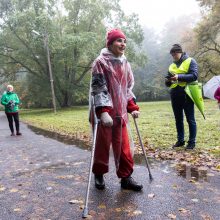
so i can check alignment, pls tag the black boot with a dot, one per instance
(190, 146)
(99, 181)
(129, 183)
(178, 144)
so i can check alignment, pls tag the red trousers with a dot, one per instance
(116, 135)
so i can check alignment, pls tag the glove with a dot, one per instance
(135, 114)
(106, 119)
(169, 75)
(168, 82)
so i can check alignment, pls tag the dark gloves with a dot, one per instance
(169, 75)
(168, 81)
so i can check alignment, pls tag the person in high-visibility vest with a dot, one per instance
(183, 70)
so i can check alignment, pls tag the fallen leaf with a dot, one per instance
(137, 212)
(174, 186)
(151, 195)
(102, 206)
(74, 201)
(118, 210)
(182, 210)
(65, 177)
(82, 207)
(218, 167)
(2, 188)
(13, 190)
(89, 217)
(195, 200)
(173, 165)
(92, 212)
(192, 181)
(78, 163)
(206, 217)
(171, 216)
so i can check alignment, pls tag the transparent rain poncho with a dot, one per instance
(111, 86)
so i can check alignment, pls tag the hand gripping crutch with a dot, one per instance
(85, 210)
(142, 146)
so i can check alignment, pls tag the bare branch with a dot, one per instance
(23, 64)
(26, 45)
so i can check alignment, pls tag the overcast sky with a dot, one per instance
(155, 13)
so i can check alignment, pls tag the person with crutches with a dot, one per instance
(111, 87)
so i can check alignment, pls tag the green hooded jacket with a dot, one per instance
(6, 98)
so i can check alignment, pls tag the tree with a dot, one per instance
(208, 38)
(150, 78)
(76, 30)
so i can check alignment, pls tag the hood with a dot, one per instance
(108, 54)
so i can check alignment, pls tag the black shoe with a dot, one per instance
(190, 146)
(99, 182)
(12, 134)
(178, 144)
(129, 183)
(18, 133)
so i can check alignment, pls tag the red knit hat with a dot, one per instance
(113, 35)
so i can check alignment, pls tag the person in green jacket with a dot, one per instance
(11, 101)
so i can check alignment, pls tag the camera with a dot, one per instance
(168, 81)
(169, 75)
(11, 105)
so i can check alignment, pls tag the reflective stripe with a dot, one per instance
(182, 69)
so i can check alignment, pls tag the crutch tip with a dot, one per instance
(151, 178)
(85, 213)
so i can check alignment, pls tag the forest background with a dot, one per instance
(76, 33)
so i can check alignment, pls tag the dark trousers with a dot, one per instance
(181, 102)
(10, 117)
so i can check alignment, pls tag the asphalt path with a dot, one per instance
(42, 178)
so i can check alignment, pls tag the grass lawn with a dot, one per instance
(156, 124)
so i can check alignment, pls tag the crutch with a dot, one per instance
(85, 210)
(142, 146)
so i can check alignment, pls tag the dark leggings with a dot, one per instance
(10, 117)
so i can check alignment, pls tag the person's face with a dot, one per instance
(10, 89)
(118, 47)
(176, 56)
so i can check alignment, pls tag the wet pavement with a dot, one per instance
(43, 178)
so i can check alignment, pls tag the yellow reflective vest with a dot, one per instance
(182, 69)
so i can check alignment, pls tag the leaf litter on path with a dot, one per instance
(202, 159)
